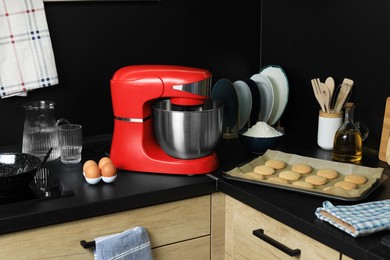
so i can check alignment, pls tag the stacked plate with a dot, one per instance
(279, 82)
(262, 97)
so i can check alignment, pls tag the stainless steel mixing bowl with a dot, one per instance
(188, 132)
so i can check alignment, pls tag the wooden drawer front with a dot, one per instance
(195, 249)
(241, 220)
(166, 224)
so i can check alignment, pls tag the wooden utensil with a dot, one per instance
(325, 94)
(317, 94)
(343, 95)
(331, 84)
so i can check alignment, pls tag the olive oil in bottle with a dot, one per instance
(347, 146)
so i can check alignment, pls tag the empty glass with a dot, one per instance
(70, 138)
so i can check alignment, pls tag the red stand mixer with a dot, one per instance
(134, 89)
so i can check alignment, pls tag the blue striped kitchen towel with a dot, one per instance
(357, 220)
(132, 244)
(26, 54)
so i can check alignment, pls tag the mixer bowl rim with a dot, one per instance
(216, 105)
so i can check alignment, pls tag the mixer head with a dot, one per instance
(185, 86)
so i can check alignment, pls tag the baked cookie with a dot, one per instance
(276, 164)
(328, 173)
(356, 179)
(264, 170)
(327, 188)
(303, 184)
(345, 185)
(277, 180)
(253, 175)
(301, 168)
(289, 175)
(316, 180)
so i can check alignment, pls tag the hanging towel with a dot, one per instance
(132, 244)
(26, 54)
(357, 220)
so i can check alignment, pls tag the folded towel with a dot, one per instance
(357, 220)
(26, 54)
(132, 244)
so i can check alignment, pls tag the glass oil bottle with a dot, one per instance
(348, 140)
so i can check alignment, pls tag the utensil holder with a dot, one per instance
(328, 123)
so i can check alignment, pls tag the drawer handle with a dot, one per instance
(291, 252)
(85, 244)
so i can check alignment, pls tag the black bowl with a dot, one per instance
(16, 171)
(259, 145)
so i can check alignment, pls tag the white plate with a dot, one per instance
(280, 84)
(267, 96)
(244, 96)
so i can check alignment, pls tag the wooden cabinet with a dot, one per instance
(241, 243)
(177, 230)
(214, 226)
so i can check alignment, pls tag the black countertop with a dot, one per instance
(296, 209)
(134, 190)
(129, 191)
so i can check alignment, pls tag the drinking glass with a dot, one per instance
(70, 138)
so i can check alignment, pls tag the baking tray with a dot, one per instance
(375, 176)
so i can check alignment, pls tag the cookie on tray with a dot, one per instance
(254, 175)
(277, 179)
(316, 180)
(301, 168)
(303, 184)
(264, 170)
(276, 164)
(345, 185)
(356, 179)
(328, 173)
(289, 175)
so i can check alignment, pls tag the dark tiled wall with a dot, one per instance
(91, 40)
(346, 38)
(308, 39)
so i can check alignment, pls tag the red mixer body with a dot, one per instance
(134, 146)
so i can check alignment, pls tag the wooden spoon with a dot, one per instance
(330, 83)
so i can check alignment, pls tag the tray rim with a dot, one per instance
(364, 195)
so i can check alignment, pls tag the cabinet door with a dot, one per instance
(166, 224)
(242, 220)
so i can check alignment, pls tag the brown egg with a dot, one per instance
(92, 172)
(88, 163)
(103, 161)
(108, 169)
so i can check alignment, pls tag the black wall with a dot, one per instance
(343, 39)
(92, 40)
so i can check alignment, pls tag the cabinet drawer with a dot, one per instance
(242, 220)
(194, 249)
(166, 224)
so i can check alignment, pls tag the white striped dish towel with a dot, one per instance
(132, 244)
(26, 54)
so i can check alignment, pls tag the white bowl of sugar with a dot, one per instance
(260, 137)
